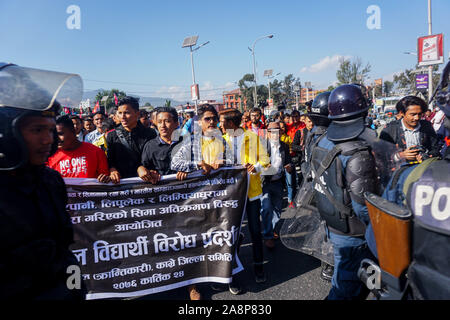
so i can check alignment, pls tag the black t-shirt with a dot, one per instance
(126, 157)
(157, 155)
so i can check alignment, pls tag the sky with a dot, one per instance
(135, 46)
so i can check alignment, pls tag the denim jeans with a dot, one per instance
(271, 203)
(290, 184)
(348, 254)
(253, 209)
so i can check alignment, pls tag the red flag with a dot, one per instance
(116, 101)
(97, 107)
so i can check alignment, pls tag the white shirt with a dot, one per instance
(412, 137)
(437, 120)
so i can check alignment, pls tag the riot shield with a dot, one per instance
(34, 89)
(384, 153)
(303, 229)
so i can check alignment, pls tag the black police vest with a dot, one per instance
(429, 200)
(331, 195)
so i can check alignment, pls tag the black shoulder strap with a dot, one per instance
(346, 148)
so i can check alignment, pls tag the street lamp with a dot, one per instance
(190, 42)
(268, 74)
(254, 65)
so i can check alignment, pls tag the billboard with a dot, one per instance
(421, 81)
(430, 50)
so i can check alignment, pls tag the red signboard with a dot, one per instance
(195, 95)
(430, 50)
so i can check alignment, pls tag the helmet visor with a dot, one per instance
(34, 89)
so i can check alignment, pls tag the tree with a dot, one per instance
(110, 103)
(407, 81)
(168, 103)
(352, 71)
(387, 87)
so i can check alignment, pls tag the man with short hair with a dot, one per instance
(96, 134)
(256, 125)
(415, 138)
(156, 155)
(144, 118)
(126, 142)
(272, 185)
(76, 159)
(88, 124)
(204, 150)
(78, 125)
(245, 148)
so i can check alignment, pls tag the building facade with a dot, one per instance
(234, 99)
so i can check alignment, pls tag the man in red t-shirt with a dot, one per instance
(76, 159)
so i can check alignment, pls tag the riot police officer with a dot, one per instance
(418, 195)
(35, 228)
(343, 169)
(318, 113)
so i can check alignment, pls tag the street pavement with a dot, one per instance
(291, 275)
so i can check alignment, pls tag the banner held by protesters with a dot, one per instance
(136, 239)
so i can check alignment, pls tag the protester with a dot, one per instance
(203, 151)
(78, 125)
(107, 126)
(244, 147)
(256, 125)
(428, 115)
(126, 142)
(97, 133)
(245, 119)
(88, 124)
(438, 119)
(271, 200)
(35, 230)
(157, 152)
(415, 138)
(76, 159)
(188, 125)
(144, 118)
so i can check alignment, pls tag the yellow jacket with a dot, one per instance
(254, 152)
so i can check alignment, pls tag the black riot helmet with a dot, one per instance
(319, 110)
(30, 92)
(346, 101)
(347, 109)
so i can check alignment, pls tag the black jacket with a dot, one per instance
(127, 159)
(428, 139)
(35, 234)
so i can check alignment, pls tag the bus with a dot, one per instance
(387, 104)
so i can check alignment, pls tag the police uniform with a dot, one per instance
(343, 169)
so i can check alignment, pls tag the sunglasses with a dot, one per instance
(209, 119)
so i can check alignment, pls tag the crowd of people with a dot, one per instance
(280, 151)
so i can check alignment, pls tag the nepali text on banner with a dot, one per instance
(136, 238)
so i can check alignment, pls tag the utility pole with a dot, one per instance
(430, 68)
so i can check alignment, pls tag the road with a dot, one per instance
(291, 275)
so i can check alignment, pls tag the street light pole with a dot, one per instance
(190, 42)
(255, 99)
(430, 68)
